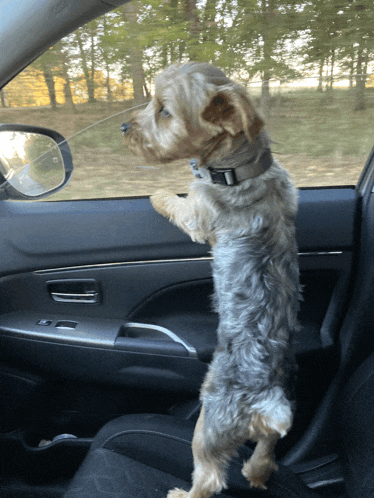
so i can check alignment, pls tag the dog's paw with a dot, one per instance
(258, 472)
(161, 200)
(177, 493)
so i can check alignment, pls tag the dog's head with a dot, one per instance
(196, 110)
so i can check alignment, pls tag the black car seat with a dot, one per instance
(143, 456)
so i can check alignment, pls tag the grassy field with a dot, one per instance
(321, 141)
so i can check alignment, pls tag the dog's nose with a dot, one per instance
(125, 128)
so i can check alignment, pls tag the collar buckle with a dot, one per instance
(231, 177)
(225, 177)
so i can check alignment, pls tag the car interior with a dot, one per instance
(107, 329)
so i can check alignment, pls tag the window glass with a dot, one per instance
(307, 66)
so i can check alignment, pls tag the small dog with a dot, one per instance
(244, 204)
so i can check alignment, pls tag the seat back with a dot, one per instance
(357, 431)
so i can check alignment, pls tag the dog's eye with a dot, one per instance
(164, 112)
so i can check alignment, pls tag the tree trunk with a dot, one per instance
(109, 96)
(2, 97)
(209, 19)
(320, 76)
(268, 13)
(130, 14)
(147, 92)
(123, 85)
(194, 49)
(92, 36)
(169, 50)
(48, 76)
(68, 92)
(331, 77)
(266, 76)
(164, 55)
(265, 94)
(138, 80)
(67, 86)
(360, 104)
(89, 82)
(351, 69)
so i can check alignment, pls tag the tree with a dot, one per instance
(341, 33)
(81, 37)
(105, 48)
(360, 36)
(263, 30)
(2, 98)
(48, 64)
(62, 49)
(194, 28)
(323, 24)
(246, 38)
(131, 14)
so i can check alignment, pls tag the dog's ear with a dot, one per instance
(231, 109)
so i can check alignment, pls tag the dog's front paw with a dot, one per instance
(177, 493)
(161, 201)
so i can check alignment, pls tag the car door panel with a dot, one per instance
(47, 235)
(148, 272)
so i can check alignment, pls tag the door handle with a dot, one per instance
(81, 291)
(62, 297)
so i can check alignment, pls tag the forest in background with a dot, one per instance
(116, 56)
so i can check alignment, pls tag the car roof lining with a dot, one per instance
(29, 27)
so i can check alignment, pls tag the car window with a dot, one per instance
(307, 65)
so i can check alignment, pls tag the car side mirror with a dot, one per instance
(34, 162)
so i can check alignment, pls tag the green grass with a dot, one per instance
(311, 123)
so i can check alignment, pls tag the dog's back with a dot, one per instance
(256, 284)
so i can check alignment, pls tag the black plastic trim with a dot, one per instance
(42, 235)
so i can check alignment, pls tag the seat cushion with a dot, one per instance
(143, 456)
(110, 474)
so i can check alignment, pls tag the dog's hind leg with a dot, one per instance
(209, 476)
(262, 462)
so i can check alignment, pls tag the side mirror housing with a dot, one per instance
(34, 162)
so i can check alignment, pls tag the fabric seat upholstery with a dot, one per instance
(143, 456)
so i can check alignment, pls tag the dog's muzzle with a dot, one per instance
(126, 128)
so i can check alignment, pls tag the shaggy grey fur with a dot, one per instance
(198, 113)
(256, 283)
